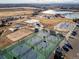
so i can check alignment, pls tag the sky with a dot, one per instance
(39, 1)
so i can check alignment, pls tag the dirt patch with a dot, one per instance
(5, 42)
(19, 34)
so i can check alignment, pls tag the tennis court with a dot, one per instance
(34, 46)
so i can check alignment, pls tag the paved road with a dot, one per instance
(74, 54)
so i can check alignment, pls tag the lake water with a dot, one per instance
(72, 15)
(67, 14)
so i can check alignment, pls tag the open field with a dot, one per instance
(13, 37)
(55, 20)
(14, 13)
(17, 11)
(50, 23)
(5, 42)
(19, 34)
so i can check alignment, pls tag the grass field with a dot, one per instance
(50, 23)
(55, 20)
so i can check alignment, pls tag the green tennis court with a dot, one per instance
(33, 47)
